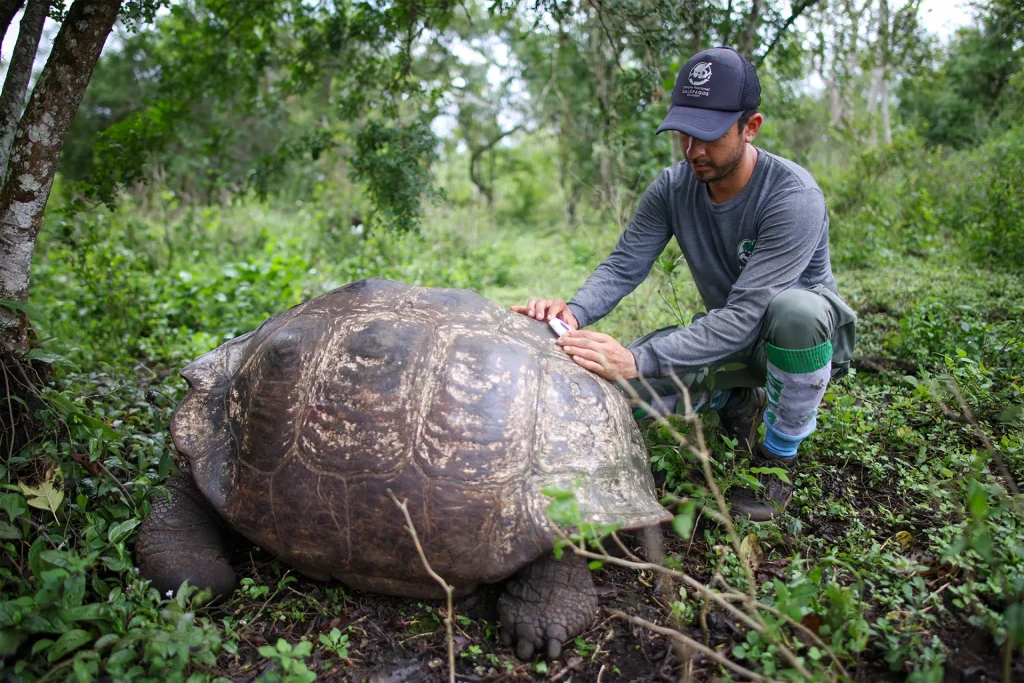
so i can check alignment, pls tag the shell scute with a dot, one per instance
(363, 400)
(479, 422)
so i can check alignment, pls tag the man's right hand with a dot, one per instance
(546, 309)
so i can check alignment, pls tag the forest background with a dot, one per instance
(232, 158)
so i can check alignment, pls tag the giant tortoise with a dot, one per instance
(296, 431)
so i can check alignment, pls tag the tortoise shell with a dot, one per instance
(297, 431)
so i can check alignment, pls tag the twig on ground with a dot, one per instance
(448, 590)
(878, 364)
(690, 642)
(700, 449)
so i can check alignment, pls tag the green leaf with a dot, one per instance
(10, 639)
(777, 471)
(120, 531)
(977, 499)
(594, 565)
(1014, 619)
(14, 505)
(23, 307)
(9, 532)
(90, 612)
(683, 522)
(57, 558)
(51, 358)
(105, 642)
(69, 642)
(1011, 413)
(558, 493)
(82, 672)
(35, 561)
(565, 513)
(302, 649)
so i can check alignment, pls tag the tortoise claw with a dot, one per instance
(547, 604)
(554, 648)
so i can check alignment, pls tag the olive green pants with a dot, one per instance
(796, 319)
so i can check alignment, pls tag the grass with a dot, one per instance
(902, 549)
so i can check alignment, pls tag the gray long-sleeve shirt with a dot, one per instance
(771, 237)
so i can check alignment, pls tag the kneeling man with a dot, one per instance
(753, 229)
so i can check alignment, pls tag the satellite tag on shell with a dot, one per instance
(559, 327)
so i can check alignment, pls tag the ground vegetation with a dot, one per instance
(232, 159)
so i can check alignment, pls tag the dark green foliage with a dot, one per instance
(975, 87)
(916, 199)
(395, 161)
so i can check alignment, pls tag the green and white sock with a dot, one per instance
(796, 383)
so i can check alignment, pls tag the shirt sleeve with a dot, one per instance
(630, 262)
(788, 234)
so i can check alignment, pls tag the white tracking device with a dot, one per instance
(559, 327)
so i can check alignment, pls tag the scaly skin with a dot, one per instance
(181, 539)
(546, 604)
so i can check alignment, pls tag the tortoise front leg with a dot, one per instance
(181, 539)
(546, 604)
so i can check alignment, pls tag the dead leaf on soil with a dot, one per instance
(904, 539)
(751, 550)
(813, 622)
(49, 494)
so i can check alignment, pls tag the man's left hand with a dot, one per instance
(599, 353)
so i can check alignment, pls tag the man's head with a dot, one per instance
(714, 108)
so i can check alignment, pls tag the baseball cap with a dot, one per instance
(712, 91)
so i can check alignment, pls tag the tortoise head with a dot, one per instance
(201, 426)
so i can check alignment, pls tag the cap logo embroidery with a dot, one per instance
(700, 73)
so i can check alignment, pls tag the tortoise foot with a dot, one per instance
(547, 604)
(181, 539)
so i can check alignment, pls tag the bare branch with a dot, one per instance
(448, 590)
(690, 642)
(797, 11)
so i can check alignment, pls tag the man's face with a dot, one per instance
(716, 160)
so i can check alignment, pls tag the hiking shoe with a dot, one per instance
(741, 416)
(771, 499)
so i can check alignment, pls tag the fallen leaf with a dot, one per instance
(48, 495)
(904, 539)
(91, 467)
(813, 622)
(751, 550)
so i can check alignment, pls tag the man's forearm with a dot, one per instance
(631, 260)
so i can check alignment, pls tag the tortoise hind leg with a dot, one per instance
(546, 604)
(181, 539)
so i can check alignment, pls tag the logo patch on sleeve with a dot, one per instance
(743, 251)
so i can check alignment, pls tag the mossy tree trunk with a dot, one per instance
(38, 140)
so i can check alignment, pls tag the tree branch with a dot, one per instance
(8, 8)
(475, 155)
(690, 642)
(12, 100)
(797, 11)
(448, 590)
